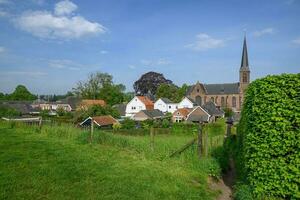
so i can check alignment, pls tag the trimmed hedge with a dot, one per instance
(269, 136)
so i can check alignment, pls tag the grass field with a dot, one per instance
(58, 163)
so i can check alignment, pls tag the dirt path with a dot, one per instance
(224, 185)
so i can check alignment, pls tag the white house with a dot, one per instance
(137, 104)
(165, 105)
(186, 103)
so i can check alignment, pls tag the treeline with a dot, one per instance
(21, 93)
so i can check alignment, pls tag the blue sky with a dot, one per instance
(50, 45)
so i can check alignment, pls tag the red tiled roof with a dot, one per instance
(148, 103)
(105, 120)
(183, 111)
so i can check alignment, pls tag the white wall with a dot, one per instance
(185, 103)
(161, 105)
(172, 107)
(134, 106)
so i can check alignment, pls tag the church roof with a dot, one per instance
(223, 88)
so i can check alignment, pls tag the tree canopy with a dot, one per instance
(149, 82)
(171, 92)
(100, 86)
(21, 93)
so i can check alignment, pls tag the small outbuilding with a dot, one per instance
(148, 114)
(105, 121)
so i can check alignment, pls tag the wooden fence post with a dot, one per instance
(92, 130)
(40, 123)
(200, 142)
(152, 138)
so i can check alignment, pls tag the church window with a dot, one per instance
(245, 78)
(212, 99)
(198, 90)
(222, 101)
(233, 102)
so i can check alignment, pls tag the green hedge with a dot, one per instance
(269, 137)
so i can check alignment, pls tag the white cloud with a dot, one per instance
(2, 49)
(204, 42)
(65, 7)
(262, 32)
(64, 64)
(45, 24)
(4, 2)
(3, 13)
(296, 41)
(131, 67)
(104, 52)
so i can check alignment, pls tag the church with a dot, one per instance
(230, 95)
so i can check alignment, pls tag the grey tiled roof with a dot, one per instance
(153, 113)
(211, 108)
(197, 118)
(166, 100)
(223, 88)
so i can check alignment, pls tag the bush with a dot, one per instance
(269, 137)
(128, 123)
(8, 112)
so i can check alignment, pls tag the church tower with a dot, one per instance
(244, 69)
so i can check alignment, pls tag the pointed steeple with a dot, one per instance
(245, 63)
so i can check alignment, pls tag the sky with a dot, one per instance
(49, 45)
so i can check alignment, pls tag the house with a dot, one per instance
(198, 115)
(212, 109)
(105, 121)
(181, 114)
(148, 114)
(85, 103)
(72, 101)
(165, 105)
(187, 102)
(121, 108)
(137, 104)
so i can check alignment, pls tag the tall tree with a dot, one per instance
(149, 82)
(100, 86)
(171, 92)
(22, 93)
(91, 88)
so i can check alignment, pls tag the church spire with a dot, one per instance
(245, 63)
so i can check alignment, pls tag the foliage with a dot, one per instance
(117, 126)
(243, 192)
(8, 112)
(112, 94)
(100, 86)
(228, 112)
(20, 93)
(60, 111)
(128, 123)
(171, 92)
(149, 82)
(269, 137)
(95, 110)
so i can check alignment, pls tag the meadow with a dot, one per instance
(60, 162)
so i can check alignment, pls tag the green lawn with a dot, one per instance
(58, 163)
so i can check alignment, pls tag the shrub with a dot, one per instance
(117, 126)
(8, 112)
(269, 137)
(128, 123)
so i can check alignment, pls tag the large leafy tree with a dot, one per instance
(22, 93)
(95, 110)
(171, 91)
(149, 82)
(100, 86)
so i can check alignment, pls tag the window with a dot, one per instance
(222, 101)
(198, 100)
(133, 108)
(198, 90)
(233, 102)
(245, 78)
(170, 107)
(212, 99)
